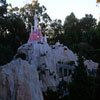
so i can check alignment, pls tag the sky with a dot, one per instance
(59, 9)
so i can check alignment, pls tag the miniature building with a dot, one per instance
(65, 71)
(36, 33)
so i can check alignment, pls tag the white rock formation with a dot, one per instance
(19, 81)
(90, 64)
(37, 71)
(44, 58)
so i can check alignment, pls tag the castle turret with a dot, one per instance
(36, 33)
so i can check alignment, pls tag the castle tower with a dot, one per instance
(36, 33)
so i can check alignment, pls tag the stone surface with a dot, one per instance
(33, 70)
(19, 81)
(90, 64)
(45, 58)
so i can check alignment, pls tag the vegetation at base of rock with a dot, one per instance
(83, 85)
(70, 63)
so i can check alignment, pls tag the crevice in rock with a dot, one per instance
(21, 55)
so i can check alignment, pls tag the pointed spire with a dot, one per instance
(36, 22)
(45, 39)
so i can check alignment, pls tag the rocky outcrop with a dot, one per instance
(19, 81)
(45, 59)
(33, 70)
(90, 64)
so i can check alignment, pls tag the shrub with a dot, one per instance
(43, 55)
(70, 63)
(65, 48)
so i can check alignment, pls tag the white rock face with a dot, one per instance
(36, 72)
(19, 81)
(44, 58)
(90, 64)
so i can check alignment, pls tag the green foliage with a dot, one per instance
(97, 81)
(70, 63)
(82, 36)
(57, 95)
(3, 7)
(54, 31)
(71, 31)
(27, 14)
(83, 85)
(6, 54)
(50, 95)
(12, 34)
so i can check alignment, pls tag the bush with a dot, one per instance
(70, 63)
(6, 54)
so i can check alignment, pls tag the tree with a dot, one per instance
(87, 23)
(50, 95)
(12, 34)
(82, 35)
(55, 31)
(97, 80)
(72, 34)
(3, 7)
(83, 85)
(27, 13)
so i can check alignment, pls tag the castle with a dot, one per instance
(36, 34)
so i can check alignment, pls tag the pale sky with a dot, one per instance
(59, 9)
